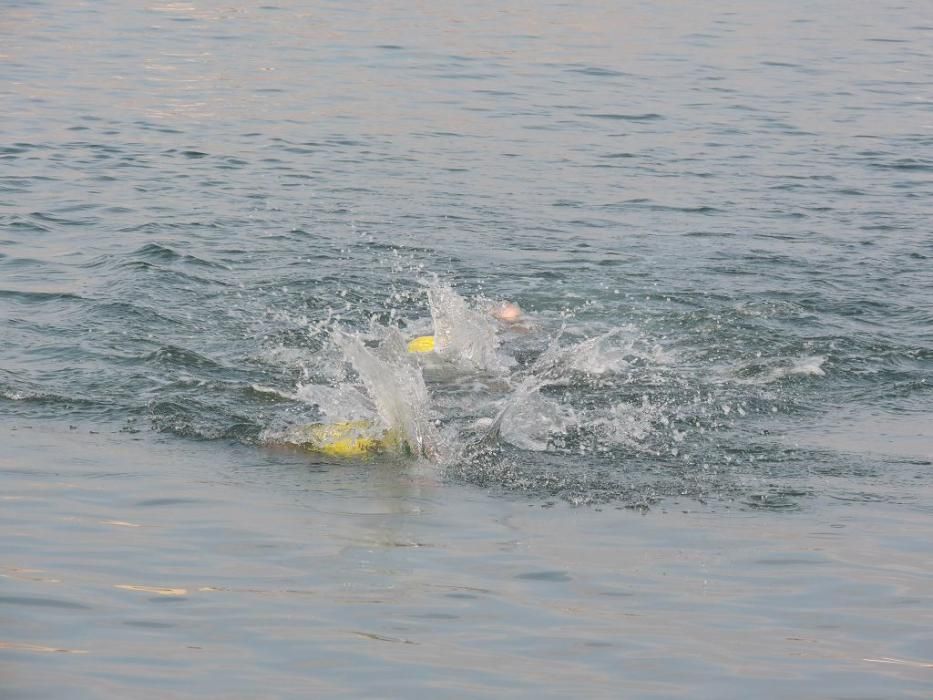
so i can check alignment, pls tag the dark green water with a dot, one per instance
(717, 216)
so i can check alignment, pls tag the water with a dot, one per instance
(700, 465)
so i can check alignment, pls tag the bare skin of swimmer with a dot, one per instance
(507, 312)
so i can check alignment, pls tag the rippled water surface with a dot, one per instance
(700, 465)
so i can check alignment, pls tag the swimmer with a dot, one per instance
(507, 312)
(355, 439)
(352, 439)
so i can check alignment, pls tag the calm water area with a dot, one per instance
(700, 466)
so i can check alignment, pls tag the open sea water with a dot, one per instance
(700, 466)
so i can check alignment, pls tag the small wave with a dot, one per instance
(125, 312)
(201, 420)
(757, 373)
(54, 401)
(16, 395)
(646, 117)
(596, 71)
(38, 297)
(270, 391)
(49, 219)
(907, 164)
(176, 356)
(155, 252)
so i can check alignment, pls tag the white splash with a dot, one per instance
(614, 351)
(396, 387)
(480, 396)
(463, 335)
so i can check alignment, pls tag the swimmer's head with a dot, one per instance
(507, 312)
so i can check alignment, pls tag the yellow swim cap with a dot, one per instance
(352, 439)
(424, 343)
(344, 439)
